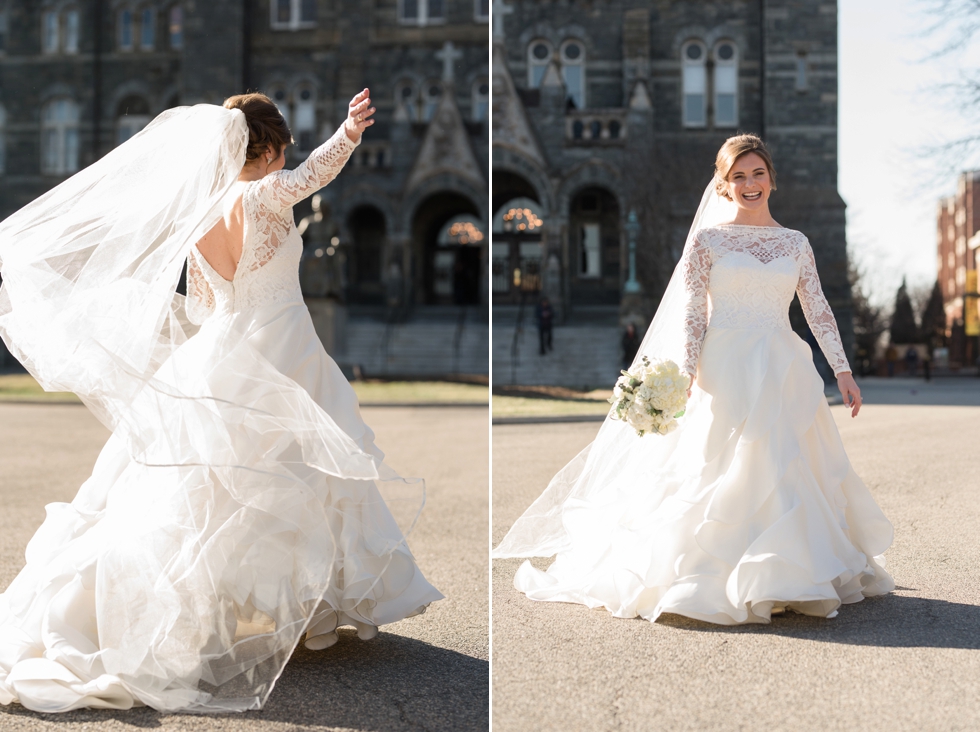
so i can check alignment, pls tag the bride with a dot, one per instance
(240, 501)
(751, 506)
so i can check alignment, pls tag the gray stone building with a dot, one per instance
(607, 115)
(397, 250)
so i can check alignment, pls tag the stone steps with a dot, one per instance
(418, 348)
(583, 356)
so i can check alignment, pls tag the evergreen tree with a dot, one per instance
(903, 326)
(870, 323)
(934, 319)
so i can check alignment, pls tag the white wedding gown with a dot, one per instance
(751, 504)
(235, 506)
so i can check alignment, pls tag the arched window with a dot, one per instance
(125, 30)
(406, 100)
(594, 230)
(132, 115)
(304, 119)
(726, 84)
(573, 71)
(433, 95)
(148, 29)
(538, 58)
(694, 78)
(71, 30)
(50, 31)
(176, 30)
(59, 136)
(481, 99)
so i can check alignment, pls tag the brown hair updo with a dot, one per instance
(732, 150)
(266, 126)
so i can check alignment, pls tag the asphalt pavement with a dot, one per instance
(906, 661)
(425, 673)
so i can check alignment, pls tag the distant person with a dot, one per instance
(927, 364)
(891, 356)
(912, 361)
(631, 344)
(545, 316)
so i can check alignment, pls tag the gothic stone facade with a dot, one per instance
(80, 76)
(603, 108)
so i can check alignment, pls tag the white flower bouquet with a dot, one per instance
(650, 397)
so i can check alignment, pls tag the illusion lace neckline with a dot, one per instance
(752, 226)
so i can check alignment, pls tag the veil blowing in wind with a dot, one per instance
(240, 500)
(750, 507)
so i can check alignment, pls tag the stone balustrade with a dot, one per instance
(596, 126)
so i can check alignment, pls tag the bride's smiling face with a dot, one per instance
(749, 182)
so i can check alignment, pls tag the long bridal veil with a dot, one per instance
(606, 463)
(231, 492)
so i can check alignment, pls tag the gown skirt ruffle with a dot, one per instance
(238, 502)
(750, 505)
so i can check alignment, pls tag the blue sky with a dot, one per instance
(890, 113)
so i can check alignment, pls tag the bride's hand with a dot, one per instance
(849, 390)
(358, 113)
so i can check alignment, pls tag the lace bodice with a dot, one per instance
(268, 271)
(744, 277)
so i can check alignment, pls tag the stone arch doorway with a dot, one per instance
(517, 265)
(450, 237)
(594, 248)
(518, 249)
(368, 232)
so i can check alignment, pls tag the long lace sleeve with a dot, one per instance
(200, 297)
(278, 191)
(818, 313)
(696, 266)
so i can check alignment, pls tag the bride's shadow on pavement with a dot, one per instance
(890, 621)
(388, 684)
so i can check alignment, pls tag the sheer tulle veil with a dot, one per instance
(540, 531)
(222, 471)
(90, 268)
(88, 301)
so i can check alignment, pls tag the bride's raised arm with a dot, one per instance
(818, 313)
(696, 266)
(285, 188)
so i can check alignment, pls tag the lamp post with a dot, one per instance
(632, 286)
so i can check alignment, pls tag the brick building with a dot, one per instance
(401, 231)
(957, 243)
(607, 118)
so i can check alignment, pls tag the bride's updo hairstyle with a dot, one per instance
(266, 126)
(732, 150)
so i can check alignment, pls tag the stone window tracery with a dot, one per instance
(573, 71)
(694, 79)
(539, 53)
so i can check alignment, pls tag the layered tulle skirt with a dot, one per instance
(750, 506)
(242, 501)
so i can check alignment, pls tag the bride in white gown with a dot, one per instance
(751, 506)
(240, 501)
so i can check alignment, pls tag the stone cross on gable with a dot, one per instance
(500, 9)
(449, 55)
